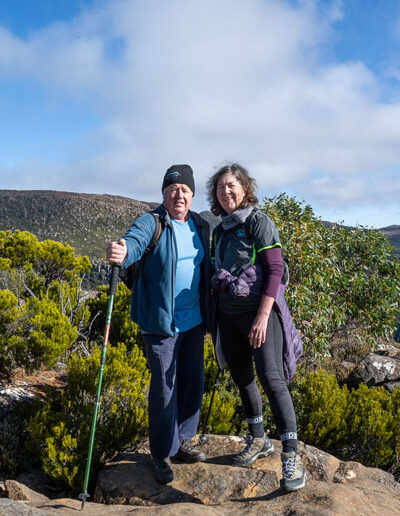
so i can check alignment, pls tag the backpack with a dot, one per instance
(247, 228)
(128, 275)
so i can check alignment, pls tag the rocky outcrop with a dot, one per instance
(334, 487)
(99, 275)
(215, 488)
(18, 491)
(12, 508)
(24, 387)
(381, 368)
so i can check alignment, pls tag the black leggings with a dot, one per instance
(234, 331)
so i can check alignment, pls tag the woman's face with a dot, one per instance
(230, 192)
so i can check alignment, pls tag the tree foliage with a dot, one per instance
(342, 280)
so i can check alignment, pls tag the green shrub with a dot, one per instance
(324, 407)
(10, 445)
(40, 263)
(33, 334)
(360, 424)
(225, 415)
(222, 415)
(60, 431)
(45, 270)
(122, 328)
(373, 433)
(8, 315)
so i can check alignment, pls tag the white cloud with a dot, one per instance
(204, 82)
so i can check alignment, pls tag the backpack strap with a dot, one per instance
(247, 222)
(128, 275)
(247, 228)
(215, 237)
(158, 228)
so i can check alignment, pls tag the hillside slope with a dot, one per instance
(85, 221)
(393, 234)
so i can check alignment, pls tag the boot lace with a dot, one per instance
(248, 449)
(289, 467)
(187, 445)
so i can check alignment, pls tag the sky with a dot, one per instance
(102, 96)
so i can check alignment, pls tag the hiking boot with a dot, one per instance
(162, 470)
(188, 453)
(293, 474)
(256, 447)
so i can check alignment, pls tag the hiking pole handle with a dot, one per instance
(114, 278)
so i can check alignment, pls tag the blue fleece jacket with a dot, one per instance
(153, 290)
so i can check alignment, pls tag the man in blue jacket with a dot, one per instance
(170, 301)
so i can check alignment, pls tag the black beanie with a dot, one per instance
(182, 174)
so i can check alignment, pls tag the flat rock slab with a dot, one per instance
(68, 507)
(361, 498)
(18, 508)
(130, 479)
(214, 488)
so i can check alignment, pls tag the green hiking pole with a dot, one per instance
(113, 288)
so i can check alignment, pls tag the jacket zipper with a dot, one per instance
(174, 262)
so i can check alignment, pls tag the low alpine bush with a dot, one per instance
(360, 424)
(60, 430)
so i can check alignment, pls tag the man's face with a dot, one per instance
(177, 200)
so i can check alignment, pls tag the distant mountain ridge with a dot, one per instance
(85, 221)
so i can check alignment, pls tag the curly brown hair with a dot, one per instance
(243, 176)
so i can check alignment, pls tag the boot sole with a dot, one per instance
(189, 460)
(163, 480)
